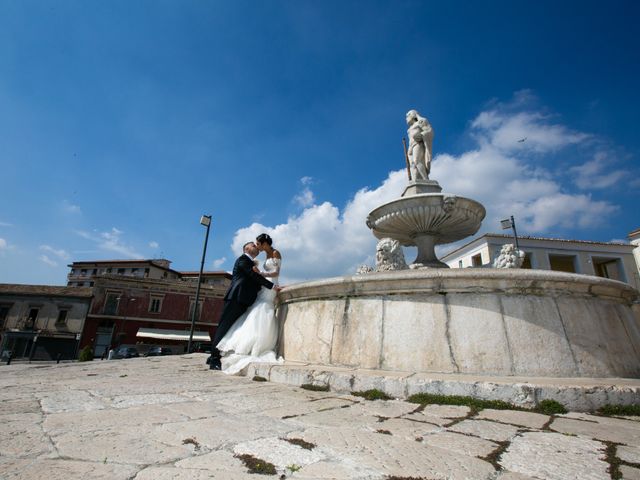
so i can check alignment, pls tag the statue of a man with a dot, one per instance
(420, 136)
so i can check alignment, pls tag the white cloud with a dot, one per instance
(305, 198)
(597, 173)
(62, 254)
(503, 174)
(111, 241)
(69, 207)
(154, 244)
(218, 262)
(5, 224)
(48, 261)
(3, 244)
(321, 241)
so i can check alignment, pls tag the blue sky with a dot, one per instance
(121, 122)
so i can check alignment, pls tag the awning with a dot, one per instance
(164, 334)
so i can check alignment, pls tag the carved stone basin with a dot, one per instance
(426, 220)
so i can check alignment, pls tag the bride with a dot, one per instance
(252, 338)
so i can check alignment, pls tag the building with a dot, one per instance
(42, 322)
(128, 310)
(602, 259)
(82, 273)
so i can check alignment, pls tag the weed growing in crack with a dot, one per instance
(611, 457)
(619, 410)
(494, 457)
(315, 388)
(293, 467)
(373, 394)
(256, 465)
(300, 443)
(258, 378)
(191, 441)
(550, 407)
(384, 432)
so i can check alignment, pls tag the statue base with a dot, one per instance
(416, 187)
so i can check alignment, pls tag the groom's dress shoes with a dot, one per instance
(215, 364)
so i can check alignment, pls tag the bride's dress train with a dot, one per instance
(253, 337)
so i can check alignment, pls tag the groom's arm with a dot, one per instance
(246, 268)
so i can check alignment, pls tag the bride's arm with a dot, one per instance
(277, 262)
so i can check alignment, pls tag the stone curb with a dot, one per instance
(576, 394)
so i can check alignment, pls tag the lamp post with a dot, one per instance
(510, 223)
(206, 221)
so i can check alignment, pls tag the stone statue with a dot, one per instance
(420, 136)
(389, 256)
(509, 257)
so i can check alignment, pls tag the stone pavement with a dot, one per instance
(171, 418)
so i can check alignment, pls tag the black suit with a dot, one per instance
(245, 285)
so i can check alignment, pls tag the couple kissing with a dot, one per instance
(248, 331)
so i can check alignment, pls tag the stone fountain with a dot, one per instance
(441, 330)
(423, 216)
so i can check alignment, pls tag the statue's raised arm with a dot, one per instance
(420, 135)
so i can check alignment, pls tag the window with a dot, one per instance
(192, 303)
(62, 317)
(155, 304)
(83, 271)
(95, 271)
(111, 303)
(608, 268)
(73, 271)
(134, 271)
(4, 313)
(109, 270)
(563, 263)
(31, 319)
(146, 273)
(121, 271)
(476, 260)
(459, 263)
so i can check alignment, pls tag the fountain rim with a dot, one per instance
(462, 281)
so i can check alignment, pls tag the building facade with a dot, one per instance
(42, 322)
(128, 310)
(602, 259)
(82, 274)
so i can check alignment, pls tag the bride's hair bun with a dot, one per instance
(264, 238)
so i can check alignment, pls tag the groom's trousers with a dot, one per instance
(230, 313)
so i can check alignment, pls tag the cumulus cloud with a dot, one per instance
(218, 262)
(597, 173)
(505, 175)
(323, 241)
(110, 241)
(48, 261)
(3, 244)
(154, 244)
(305, 198)
(62, 254)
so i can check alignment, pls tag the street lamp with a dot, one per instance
(206, 221)
(510, 223)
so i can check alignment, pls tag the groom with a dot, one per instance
(245, 285)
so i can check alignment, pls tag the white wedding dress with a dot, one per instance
(252, 338)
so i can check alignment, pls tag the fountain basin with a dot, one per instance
(471, 321)
(426, 220)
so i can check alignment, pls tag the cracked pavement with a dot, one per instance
(172, 418)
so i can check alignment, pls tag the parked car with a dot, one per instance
(126, 352)
(157, 351)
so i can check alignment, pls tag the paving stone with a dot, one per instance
(513, 476)
(44, 469)
(337, 469)
(384, 408)
(218, 460)
(126, 401)
(608, 429)
(498, 432)
(136, 445)
(515, 417)
(334, 417)
(629, 473)
(173, 473)
(439, 414)
(407, 429)
(70, 401)
(20, 439)
(9, 407)
(460, 443)
(629, 453)
(279, 452)
(396, 456)
(554, 456)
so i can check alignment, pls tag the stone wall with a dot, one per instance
(488, 322)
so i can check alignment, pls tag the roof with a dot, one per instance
(216, 273)
(156, 262)
(48, 290)
(526, 237)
